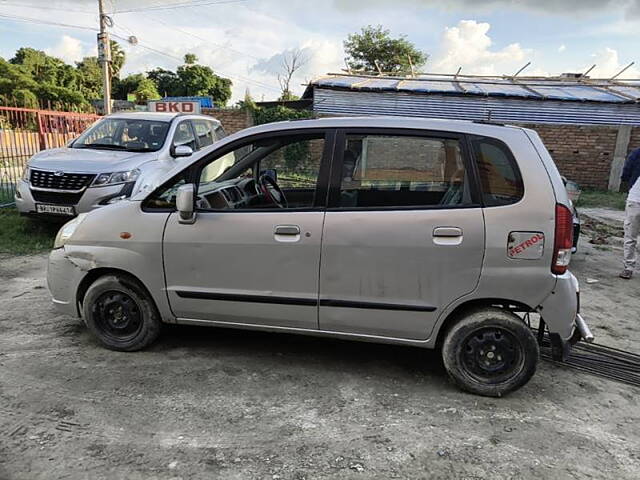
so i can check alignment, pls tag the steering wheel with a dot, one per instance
(272, 192)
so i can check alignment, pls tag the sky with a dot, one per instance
(246, 40)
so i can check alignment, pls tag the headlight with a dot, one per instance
(116, 177)
(25, 174)
(67, 231)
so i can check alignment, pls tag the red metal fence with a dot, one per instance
(24, 132)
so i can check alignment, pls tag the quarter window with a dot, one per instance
(402, 171)
(500, 177)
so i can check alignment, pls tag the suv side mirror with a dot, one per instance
(181, 151)
(184, 203)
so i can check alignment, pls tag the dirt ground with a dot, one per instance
(211, 403)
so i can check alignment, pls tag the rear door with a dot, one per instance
(403, 235)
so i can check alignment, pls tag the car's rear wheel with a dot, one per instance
(490, 352)
(120, 313)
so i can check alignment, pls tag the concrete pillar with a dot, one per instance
(619, 156)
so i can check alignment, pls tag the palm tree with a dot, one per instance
(118, 58)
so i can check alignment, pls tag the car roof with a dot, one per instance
(434, 124)
(159, 116)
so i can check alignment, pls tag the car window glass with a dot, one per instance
(402, 171)
(165, 198)
(204, 131)
(184, 136)
(500, 178)
(275, 173)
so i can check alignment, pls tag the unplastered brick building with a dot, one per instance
(588, 125)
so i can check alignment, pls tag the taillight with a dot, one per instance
(563, 240)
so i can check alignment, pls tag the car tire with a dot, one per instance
(490, 352)
(121, 314)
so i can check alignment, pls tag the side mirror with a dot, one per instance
(184, 203)
(181, 151)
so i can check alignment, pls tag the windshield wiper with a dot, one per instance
(106, 146)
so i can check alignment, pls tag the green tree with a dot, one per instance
(200, 80)
(146, 91)
(190, 59)
(167, 82)
(25, 98)
(89, 78)
(374, 44)
(124, 86)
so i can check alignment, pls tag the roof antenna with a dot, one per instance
(622, 71)
(520, 71)
(455, 77)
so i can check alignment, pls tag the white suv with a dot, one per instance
(119, 156)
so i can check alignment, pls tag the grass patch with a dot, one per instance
(6, 196)
(22, 236)
(600, 199)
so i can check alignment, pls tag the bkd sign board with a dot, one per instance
(174, 107)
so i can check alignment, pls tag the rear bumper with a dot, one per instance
(560, 312)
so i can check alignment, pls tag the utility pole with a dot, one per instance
(104, 57)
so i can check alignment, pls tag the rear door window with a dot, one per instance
(402, 171)
(500, 178)
(204, 131)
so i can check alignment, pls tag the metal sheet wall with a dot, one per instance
(340, 102)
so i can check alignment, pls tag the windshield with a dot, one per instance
(126, 134)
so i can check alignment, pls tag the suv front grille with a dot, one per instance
(57, 198)
(66, 181)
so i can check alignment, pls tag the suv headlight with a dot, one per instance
(25, 174)
(67, 231)
(116, 177)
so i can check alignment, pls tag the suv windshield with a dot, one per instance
(127, 134)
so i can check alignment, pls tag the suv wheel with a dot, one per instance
(490, 352)
(121, 314)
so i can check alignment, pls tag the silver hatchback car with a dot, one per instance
(429, 233)
(115, 158)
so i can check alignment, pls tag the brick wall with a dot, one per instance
(582, 153)
(232, 119)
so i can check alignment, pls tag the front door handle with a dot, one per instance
(447, 232)
(291, 230)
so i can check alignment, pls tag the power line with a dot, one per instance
(40, 7)
(173, 57)
(46, 22)
(172, 6)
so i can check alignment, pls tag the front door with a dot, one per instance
(253, 254)
(403, 234)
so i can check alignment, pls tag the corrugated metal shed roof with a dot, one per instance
(558, 89)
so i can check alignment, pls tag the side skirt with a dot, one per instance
(429, 343)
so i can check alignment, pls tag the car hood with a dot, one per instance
(85, 160)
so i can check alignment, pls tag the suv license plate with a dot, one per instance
(55, 209)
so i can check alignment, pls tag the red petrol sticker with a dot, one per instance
(526, 245)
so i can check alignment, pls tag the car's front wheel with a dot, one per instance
(120, 313)
(490, 352)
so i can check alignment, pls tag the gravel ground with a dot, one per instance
(213, 403)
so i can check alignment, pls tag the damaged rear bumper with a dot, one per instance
(560, 314)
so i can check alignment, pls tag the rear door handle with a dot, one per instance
(287, 230)
(447, 232)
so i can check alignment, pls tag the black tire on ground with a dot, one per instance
(121, 314)
(490, 352)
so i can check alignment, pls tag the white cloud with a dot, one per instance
(468, 45)
(562, 48)
(69, 49)
(608, 64)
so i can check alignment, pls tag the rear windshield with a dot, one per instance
(500, 177)
(126, 134)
